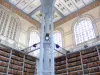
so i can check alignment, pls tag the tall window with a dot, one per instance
(9, 26)
(34, 38)
(84, 30)
(58, 38)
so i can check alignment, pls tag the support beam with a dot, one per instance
(52, 47)
(45, 64)
(41, 45)
(46, 47)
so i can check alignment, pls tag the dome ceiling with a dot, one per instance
(62, 8)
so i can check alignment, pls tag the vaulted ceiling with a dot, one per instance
(63, 8)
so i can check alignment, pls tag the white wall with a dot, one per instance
(66, 28)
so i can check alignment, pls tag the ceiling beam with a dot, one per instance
(58, 12)
(81, 11)
(34, 11)
(17, 11)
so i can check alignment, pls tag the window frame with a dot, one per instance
(75, 32)
(31, 32)
(60, 36)
(33, 53)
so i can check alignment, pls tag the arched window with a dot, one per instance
(58, 38)
(84, 30)
(34, 38)
(9, 25)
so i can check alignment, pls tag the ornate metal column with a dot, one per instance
(47, 42)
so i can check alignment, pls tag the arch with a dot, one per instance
(34, 35)
(29, 30)
(62, 35)
(83, 30)
(82, 16)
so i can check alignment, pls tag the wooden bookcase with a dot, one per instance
(90, 61)
(60, 65)
(30, 65)
(82, 62)
(13, 62)
(74, 64)
(4, 59)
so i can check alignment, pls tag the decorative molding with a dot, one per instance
(69, 32)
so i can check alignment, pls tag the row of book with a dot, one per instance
(30, 62)
(93, 64)
(5, 50)
(29, 70)
(27, 73)
(89, 55)
(4, 64)
(96, 73)
(72, 55)
(75, 68)
(16, 67)
(89, 60)
(60, 71)
(17, 58)
(74, 64)
(92, 70)
(5, 59)
(14, 72)
(60, 63)
(89, 50)
(16, 62)
(73, 59)
(29, 66)
(76, 73)
(3, 69)
(4, 54)
(60, 67)
(62, 58)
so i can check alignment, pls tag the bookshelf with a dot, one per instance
(82, 62)
(60, 65)
(74, 64)
(4, 59)
(13, 62)
(29, 65)
(90, 60)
